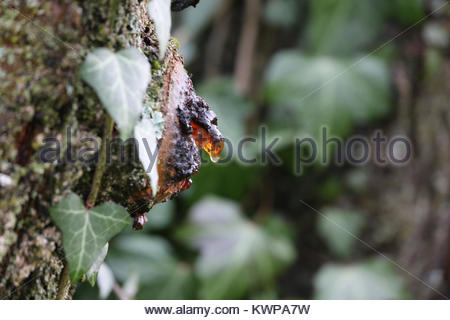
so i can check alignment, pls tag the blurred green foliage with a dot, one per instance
(339, 227)
(304, 94)
(236, 256)
(371, 280)
(281, 13)
(161, 275)
(344, 26)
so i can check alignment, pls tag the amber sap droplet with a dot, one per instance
(206, 142)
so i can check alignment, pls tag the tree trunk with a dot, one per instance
(416, 197)
(42, 47)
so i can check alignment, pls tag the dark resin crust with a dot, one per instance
(178, 5)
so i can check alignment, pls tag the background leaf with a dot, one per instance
(85, 233)
(235, 254)
(161, 275)
(372, 280)
(159, 12)
(305, 94)
(344, 26)
(120, 80)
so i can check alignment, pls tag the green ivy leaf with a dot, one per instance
(92, 273)
(374, 279)
(159, 12)
(144, 133)
(151, 258)
(232, 263)
(306, 93)
(344, 26)
(85, 233)
(120, 80)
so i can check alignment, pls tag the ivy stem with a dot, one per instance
(101, 164)
(64, 283)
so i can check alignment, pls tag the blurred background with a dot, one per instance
(242, 231)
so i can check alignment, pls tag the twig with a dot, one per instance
(247, 46)
(217, 39)
(101, 164)
(64, 283)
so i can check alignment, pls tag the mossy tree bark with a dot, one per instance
(42, 46)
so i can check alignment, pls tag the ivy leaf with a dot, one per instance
(144, 133)
(85, 233)
(309, 92)
(159, 12)
(345, 26)
(372, 279)
(152, 260)
(150, 257)
(232, 264)
(120, 80)
(92, 273)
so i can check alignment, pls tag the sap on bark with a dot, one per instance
(189, 126)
